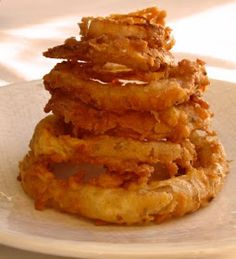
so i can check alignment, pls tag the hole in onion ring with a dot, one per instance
(66, 170)
(103, 177)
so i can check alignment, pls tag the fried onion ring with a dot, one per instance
(141, 37)
(156, 201)
(52, 140)
(147, 24)
(111, 72)
(155, 96)
(175, 123)
(135, 54)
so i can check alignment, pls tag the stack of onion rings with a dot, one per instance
(122, 105)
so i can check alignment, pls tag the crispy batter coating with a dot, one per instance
(135, 54)
(111, 73)
(137, 40)
(154, 96)
(114, 73)
(155, 201)
(175, 123)
(51, 139)
(147, 25)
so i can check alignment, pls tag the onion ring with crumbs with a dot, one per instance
(111, 72)
(50, 139)
(156, 201)
(174, 123)
(147, 25)
(135, 54)
(190, 78)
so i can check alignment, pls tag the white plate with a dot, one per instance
(210, 231)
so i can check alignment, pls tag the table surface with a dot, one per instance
(203, 29)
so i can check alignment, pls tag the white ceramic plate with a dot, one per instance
(208, 232)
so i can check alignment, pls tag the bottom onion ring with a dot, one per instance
(155, 201)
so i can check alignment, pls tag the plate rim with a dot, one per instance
(87, 249)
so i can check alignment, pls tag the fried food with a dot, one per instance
(155, 201)
(51, 139)
(141, 36)
(135, 54)
(188, 78)
(174, 123)
(129, 126)
(147, 25)
(111, 73)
